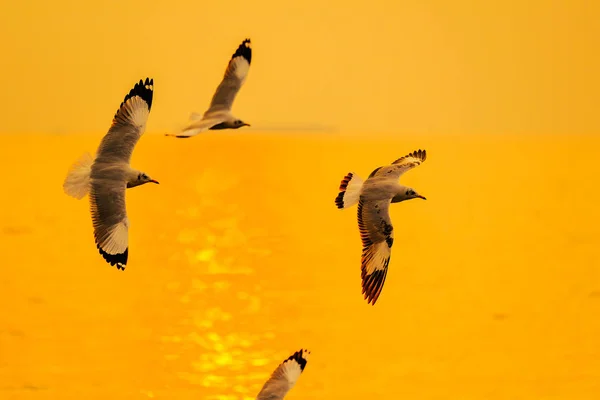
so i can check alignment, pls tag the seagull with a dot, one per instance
(218, 115)
(284, 377)
(376, 231)
(106, 176)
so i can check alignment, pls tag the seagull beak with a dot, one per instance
(153, 181)
(421, 197)
(245, 124)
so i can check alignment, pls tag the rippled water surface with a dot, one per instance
(239, 257)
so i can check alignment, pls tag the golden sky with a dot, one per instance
(395, 66)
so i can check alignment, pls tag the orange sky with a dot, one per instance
(396, 66)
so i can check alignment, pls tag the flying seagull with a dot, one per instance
(218, 115)
(106, 176)
(284, 377)
(376, 231)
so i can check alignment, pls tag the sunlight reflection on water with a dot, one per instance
(216, 249)
(233, 268)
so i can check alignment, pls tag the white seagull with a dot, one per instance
(107, 176)
(376, 231)
(218, 115)
(284, 377)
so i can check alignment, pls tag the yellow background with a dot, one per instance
(395, 66)
(239, 257)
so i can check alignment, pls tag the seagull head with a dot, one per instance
(238, 123)
(411, 193)
(140, 179)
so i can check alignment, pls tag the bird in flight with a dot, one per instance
(218, 115)
(284, 377)
(106, 176)
(374, 197)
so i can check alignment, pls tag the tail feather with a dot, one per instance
(350, 189)
(77, 182)
(194, 116)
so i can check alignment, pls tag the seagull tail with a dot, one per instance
(192, 128)
(77, 182)
(350, 189)
(195, 116)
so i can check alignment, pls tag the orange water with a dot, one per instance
(239, 257)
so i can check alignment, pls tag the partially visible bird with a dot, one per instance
(376, 231)
(218, 115)
(284, 377)
(106, 176)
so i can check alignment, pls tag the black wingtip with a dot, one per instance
(118, 260)
(373, 284)
(143, 89)
(418, 154)
(339, 200)
(244, 50)
(299, 358)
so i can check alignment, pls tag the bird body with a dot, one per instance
(106, 176)
(219, 115)
(380, 189)
(374, 197)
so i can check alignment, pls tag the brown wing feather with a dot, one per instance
(376, 233)
(401, 165)
(417, 156)
(284, 377)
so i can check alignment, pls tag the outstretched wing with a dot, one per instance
(284, 377)
(400, 166)
(376, 232)
(128, 124)
(108, 175)
(235, 75)
(111, 226)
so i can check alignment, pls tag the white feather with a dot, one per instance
(350, 189)
(77, 182)
(118, 239)
(377, 257)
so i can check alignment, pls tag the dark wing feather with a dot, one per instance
(234, 78)
(376, 232)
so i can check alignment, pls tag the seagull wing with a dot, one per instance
(128, 124)
(284, 377)
(235, 75)
(108, 177)
(111, 226)
(400, 166)
(376, 232)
